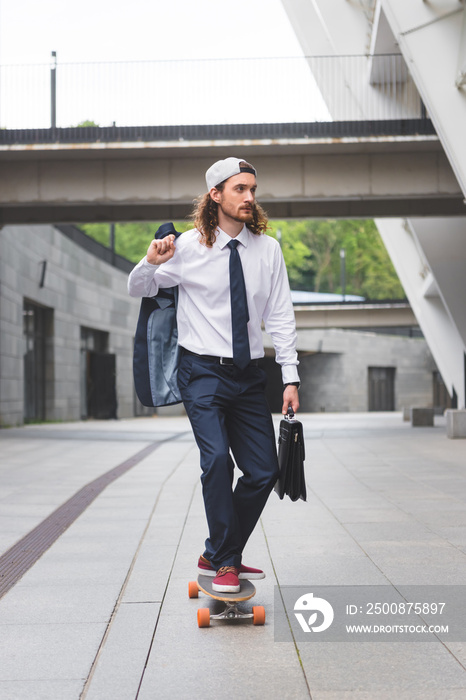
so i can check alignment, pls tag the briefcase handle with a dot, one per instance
(290, 417)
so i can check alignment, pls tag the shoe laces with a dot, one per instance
(227, 570)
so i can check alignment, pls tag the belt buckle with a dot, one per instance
(225, 361)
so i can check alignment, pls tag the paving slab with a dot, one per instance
(48, 651)
(40, 690)
(381, 669)
(122, 659)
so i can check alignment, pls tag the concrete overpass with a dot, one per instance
(362, 174)
(368, 315)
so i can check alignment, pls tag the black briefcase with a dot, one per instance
(291, 481)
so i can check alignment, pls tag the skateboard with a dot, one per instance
(231, 600)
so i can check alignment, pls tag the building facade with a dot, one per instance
(67, 327)
(355, 370)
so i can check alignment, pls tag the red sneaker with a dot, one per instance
(249, 573)
(245, 572)
(226, 580)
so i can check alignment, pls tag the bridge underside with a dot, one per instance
(175, 211)
(356, 177)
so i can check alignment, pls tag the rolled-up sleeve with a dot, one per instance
(279, 321)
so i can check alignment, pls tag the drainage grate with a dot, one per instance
(19, 559)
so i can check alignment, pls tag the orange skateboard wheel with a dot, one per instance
(193, 590)
(258, 612)
(203, 617)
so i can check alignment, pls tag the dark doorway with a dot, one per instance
(381, 388)
(38, 360)
(101, 398)
(98, 376)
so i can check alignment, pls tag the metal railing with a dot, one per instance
(316, 89)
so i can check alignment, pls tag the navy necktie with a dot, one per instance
(239, 309)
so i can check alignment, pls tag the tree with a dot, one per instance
(311, 249)
(86, 122)
(131, 239)
(296, 252)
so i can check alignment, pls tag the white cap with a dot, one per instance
(223, 169)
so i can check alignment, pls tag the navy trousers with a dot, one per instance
(229, 415)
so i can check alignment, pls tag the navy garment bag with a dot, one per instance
(156, 352)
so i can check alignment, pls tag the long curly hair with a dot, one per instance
(205, 218)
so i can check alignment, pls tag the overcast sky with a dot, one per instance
(109, 30)
(186, 92)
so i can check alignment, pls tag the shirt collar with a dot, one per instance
(223, 238)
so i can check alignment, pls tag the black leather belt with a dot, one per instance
(215, 358)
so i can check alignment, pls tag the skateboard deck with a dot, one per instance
(231, 600)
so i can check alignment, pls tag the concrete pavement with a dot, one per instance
(104, 613)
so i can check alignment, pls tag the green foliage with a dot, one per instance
(87, 122)
(99, 232)
(311, 249)
(131, 239)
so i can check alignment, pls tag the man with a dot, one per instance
(231, 277)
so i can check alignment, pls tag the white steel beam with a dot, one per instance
(435, 287)
(430, 38)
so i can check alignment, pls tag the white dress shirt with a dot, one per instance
(204, 310)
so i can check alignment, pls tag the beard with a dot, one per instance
(242, 215)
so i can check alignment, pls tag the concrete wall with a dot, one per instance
(82, 290)
(334, 370)
(336, 378)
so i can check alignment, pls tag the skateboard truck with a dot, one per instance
(231, 612)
